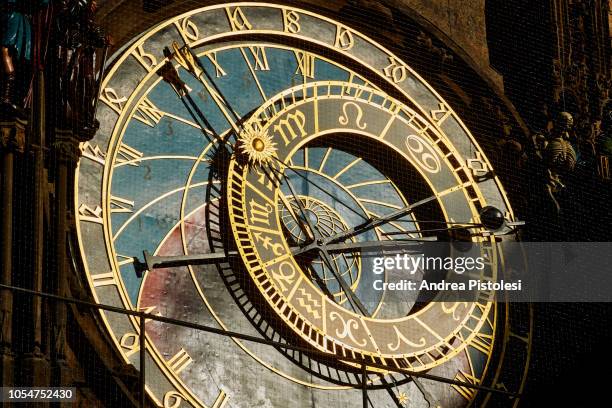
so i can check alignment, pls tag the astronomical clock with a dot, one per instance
(250, 159)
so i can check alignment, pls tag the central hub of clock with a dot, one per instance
(327, 222)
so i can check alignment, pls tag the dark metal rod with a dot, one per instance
(364, 385)
(153, 262)
(253, 339)
(142, 350)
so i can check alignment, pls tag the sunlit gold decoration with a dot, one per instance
(402, 398)
(109, 151)
(257, 145)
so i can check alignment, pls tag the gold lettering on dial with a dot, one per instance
(260, 58)
(120, 205)
(453, 309)
(221, 400)
(465, 392)
(291, 21)
(113, 100)
(441, 114)
(130, 342)
(179, 361)
(260, 212)
(93, 152)
(184, 57)
(147, 60)
(292, 126)
(264, 179)
(401, 338)
(305, 64)
(344, 118)
(172, 399)
(482, 342)
(129, 155)
(277, 248)
(309, 303)
(103, 279)
(395, 71)
(148, 113)
(285, 276)
(219, 71)
(423, 154)
(188, 30)
(344, 38)
(150, 310)
(478, 165)
(237, 19)
(86, 213)
(348, 325)
(524, 339)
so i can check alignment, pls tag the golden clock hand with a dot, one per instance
(171, 76)
(366, 246)
(185, 57)
(317, 186)
(350, 295)
(371, 224)
(305, 229)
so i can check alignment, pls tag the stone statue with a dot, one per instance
(604, 141)
(78, 39)
(559, 154)
(16, 46)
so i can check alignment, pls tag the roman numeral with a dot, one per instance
(260, 58)
(221, 400)
(482, 342)
(148, 113)
(465, 392)
(129, 155)
(93, 152)
(305, 64)
(86, 213)
(147, 60)
(103, 279)
(179, 361)
(219, 71)
(120, 205)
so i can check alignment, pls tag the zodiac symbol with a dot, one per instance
(260, 212)
(424, 155)
(452, 310)
(403, 339)
(286, 274)
(344, 119)
(347, 328)
(306, 300)
(277, 248)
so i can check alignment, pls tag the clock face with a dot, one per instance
(285, 143)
